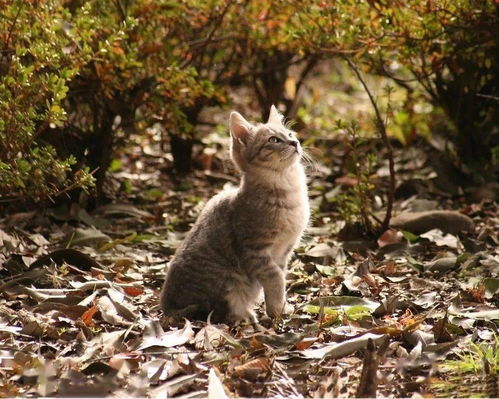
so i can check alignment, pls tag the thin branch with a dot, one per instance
(487, 96)
(200, 53)
(11, 29)
(368, 383)
(120, 8)
(381, 127)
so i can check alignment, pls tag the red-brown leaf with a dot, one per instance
(87, 317)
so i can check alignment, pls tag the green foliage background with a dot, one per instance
(75, 72)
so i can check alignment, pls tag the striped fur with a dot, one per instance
(244, 237)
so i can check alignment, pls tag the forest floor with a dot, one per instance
(419, 311)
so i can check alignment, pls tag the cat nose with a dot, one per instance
(294, 143)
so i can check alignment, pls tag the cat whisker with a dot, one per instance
(309, 161)
(313, 150)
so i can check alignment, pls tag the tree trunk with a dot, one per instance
(181, 149)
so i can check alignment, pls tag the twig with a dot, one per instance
(368, 383)
(487, 96)
(30, 275)
(11, 29)
(72, 185)
(120, 8)
(381, 127)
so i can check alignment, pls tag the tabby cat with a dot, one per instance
(244, 237)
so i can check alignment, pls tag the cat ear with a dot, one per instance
(275, 117)
(240, 128)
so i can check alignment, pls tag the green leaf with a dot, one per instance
(345, 301)
(410, 236)
(115, 165)
(357, 312)
(316, 310)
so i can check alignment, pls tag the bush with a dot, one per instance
(69, 69)
(35, 69)
(445, 50)
(74, 73)
(451, 50)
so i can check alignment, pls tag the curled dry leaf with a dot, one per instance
(390, 236)
(157, 337)
(341, 349)
(252, 369)
(87, 317)
(477, 293)
(440, 331)
(305, 343)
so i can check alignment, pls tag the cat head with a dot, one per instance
(269, 146)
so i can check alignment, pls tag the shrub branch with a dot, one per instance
(381, 129)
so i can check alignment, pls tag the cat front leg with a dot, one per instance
(275, 293)
(273, 280)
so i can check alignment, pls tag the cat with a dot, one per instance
(244, 237)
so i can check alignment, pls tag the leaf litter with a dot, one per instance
(79, 307)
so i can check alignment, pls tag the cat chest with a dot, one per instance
(289, 226)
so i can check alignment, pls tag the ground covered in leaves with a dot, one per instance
(406, 315)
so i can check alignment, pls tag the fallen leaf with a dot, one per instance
(489, 315)
(209, 337)
(173, 386)
(491, 286)
(440, 331)
(348, 181)
(87, 237)
(110, 312)
(438, 237)
(87, 317)
(442, 265)
(252, 369)
(322, 250)
(123, 209)
(38, 239)
(339, 350)
(133, 291)
(477, 293)
(215, 387)
(344, 301)
(157, 337)
(390, 236)
(305, 343)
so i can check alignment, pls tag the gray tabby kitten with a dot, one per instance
(244, 237)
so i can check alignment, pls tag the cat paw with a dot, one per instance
(249, 316)
(276, 310)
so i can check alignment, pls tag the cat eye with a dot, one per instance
(274, 139)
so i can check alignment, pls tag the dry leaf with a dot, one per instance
(349, 181)
(252, 369)
(305, 343)
(390, 236)
(87, 317)
(215, 387)
(133, 291)
(477, 293)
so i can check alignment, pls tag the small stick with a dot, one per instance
(368, 381)
(381, 125)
